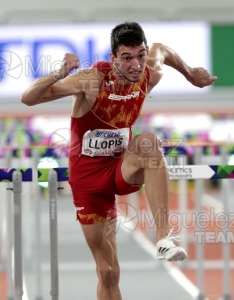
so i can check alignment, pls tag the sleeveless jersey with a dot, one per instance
(116, 106)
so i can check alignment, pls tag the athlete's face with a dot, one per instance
(130, 62)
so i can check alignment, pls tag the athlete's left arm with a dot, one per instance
(160, 54)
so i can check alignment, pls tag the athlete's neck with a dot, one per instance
(122, 80)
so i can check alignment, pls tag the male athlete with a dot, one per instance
(104, 158)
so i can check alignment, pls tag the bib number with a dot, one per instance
(104, 142)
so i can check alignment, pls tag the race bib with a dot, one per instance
(105, 142)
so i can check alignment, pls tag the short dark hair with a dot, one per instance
(129, 34)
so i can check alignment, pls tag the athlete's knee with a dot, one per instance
(109, 275)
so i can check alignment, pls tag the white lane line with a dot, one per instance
(25, 291)
(183, 281)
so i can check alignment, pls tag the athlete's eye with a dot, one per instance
(142, 56)
(127, 58)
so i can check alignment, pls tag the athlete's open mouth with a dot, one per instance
(135, 73)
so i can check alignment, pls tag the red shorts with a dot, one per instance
(94, 182)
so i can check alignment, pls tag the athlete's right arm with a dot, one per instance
(55, 85)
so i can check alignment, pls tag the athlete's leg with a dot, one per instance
(144, 163)
(101, 239)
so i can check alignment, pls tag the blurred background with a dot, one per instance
(33, 39)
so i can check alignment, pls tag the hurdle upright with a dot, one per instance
(17, 176)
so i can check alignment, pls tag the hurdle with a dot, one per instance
(55, 175)
(17, 176)
(182, 173)
(176, 172)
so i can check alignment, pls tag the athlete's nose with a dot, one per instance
(135, 64)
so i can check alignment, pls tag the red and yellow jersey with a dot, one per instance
(116, 106)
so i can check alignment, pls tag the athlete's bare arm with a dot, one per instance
(160, 54)
(55, 85)
(83, 85)
(89, 82)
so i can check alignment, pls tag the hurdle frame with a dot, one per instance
(55, 175)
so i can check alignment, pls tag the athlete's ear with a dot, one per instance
(112, 57)
(147, 49)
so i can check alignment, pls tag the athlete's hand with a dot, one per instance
(200, 77)
(70, 62)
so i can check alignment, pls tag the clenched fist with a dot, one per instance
(70, 62)
(200, 77)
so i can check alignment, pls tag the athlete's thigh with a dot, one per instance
(101, 238)
(141, 152)
(132, 164)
